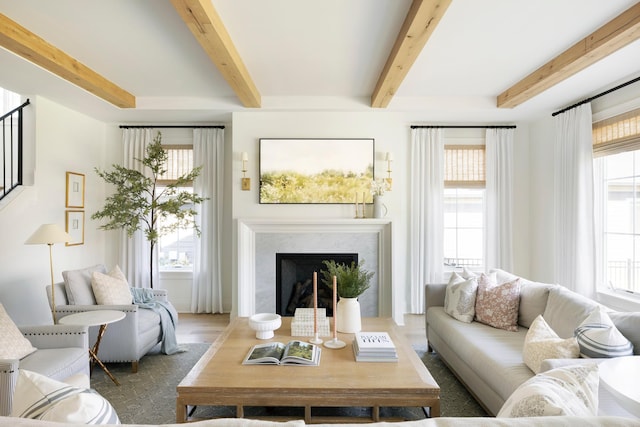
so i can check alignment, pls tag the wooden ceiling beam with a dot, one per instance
(33, 48)
(207, 27)
(614, 35)
(421, 21)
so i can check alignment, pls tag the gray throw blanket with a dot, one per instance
(144, 298)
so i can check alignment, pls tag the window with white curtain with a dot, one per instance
(616, 147)
(175, 249)
(464, 197)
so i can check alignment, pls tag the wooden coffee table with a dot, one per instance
(220, 379)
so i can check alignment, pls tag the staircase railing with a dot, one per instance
(11, 154)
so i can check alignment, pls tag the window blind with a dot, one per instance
(464, 166)
(617, 134)
(179, 162)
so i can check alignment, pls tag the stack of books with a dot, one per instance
(302, 323)
(374, 347)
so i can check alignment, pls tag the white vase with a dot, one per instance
(348, 316)
(379, 208)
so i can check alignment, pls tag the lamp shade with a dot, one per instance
(389, 157)
(48, 234)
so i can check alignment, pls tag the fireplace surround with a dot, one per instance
(258, 241)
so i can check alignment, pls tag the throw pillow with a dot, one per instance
(13, 345)
(460, 298)
(597, 336)
(541, 343)
(112, 288)
(570, 391)
(497, 305)
(42, 398)
(77, 283)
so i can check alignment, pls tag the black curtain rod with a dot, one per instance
(463, 127)
(171, 127)
(606, 92)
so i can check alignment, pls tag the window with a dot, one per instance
(464, 190)
(616, 143)
(175, 249)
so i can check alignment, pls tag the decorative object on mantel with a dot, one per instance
(246, 182)
(389, 158)
(378, 188)
(361, 213)
(352, 281)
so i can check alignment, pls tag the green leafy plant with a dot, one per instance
(352, 280)
(137, 203)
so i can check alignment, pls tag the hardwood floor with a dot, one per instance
(205, 328)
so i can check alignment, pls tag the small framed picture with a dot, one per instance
(74, 222)
(75, 190)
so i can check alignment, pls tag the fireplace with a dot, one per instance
(294, 280)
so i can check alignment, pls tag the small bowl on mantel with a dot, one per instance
(264, 324)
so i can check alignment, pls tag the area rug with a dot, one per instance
(149, 396)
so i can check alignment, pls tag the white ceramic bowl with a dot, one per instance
(264, 324)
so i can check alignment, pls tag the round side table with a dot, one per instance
(95, 318)
(620, 377)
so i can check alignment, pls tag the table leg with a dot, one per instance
(93, 353)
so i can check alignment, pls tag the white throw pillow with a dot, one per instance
(541, 343)
(77, 283)
(597, 336)
(460, 298)
(13, 345)
(570, 391)
(112, 288)
(42, 398)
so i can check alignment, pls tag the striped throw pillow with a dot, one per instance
(598, 337)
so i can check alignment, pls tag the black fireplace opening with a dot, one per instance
(294, 280)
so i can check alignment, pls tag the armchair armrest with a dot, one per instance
(434, 295)
(8, 379)
(56, 336)
(161, 294)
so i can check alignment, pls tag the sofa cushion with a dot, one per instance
(13, 345)
(111, 288)
(598, 337)
(497, 304)
(628, 324)
(39, 397)
(566, 310)
(570, 391)
(57, 363)
(77, 283)
(460, 298)
(543, 343)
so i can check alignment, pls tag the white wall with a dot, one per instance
(64, 141)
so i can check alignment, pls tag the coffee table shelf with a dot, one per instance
(220, 379)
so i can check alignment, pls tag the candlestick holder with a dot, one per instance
(316, 339)
(334, 343)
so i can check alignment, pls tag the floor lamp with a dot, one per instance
(48, 234)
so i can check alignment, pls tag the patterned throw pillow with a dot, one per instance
(598, 337)
(497, 305)
(460, 298)
(112, 288)
(42, 398)
(570, 391)
(543, 343)
(13, 345)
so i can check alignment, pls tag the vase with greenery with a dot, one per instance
(352, 280)
(138, 200)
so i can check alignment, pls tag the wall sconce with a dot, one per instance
(246, 182)
(389, 159)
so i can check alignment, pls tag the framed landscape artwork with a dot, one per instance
(320, 170)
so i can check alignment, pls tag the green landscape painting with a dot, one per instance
(330, 171)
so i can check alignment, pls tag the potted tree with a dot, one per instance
(137, 203)
(352, 280)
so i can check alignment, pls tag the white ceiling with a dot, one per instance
(315, 55)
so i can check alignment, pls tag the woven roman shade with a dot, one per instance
(464, 166)
(617, 134)
(179, 162)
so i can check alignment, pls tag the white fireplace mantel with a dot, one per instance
(249, 229)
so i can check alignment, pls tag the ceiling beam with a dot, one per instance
(207, 27)
(33, 48)
(421, 21)
(614, 35)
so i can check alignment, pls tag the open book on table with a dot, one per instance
(275, 353)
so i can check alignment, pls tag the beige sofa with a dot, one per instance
(489, 361)
(433, 422)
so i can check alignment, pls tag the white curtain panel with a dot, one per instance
(208, 151)
(574, 207)
(426, 227)
(135, 250)
(499, 199)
